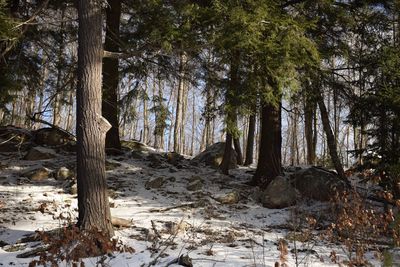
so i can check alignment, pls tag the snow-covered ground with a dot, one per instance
(192, 223)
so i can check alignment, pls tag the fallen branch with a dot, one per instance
(186, 205)
(33, 253)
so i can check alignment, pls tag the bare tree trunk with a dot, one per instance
(330, 138)
(193, 123)
(231, 113)
(93, 205)
(111, 74)
(182, 135)
(309, 115)
(68, 125)
(60, 65)
(179, 104)
(225, 164)
(250, 140)
(145, 116)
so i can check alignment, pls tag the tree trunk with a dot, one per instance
(193, 123)
(145, 132)
(269, 163)
(330, 138)
(231, 113)
(93, 205)
(309, 113)
(225, 164)
(179, 104)
(239, 154)
(250, 140)
(111, 74)
(60, 65)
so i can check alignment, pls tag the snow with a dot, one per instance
(212, 234)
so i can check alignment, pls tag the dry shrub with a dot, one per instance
(70, 244)
(357, 226)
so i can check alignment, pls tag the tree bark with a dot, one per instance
(60, 65)
(231, 111)
(309, 113)
(111, 74)
(330, 138)
(179, 103)
(269, 163)
(250, 140)
(93, 205)
(225, 164)
(238, 149)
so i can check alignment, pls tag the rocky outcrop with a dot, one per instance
(40, 153)
(213, 155)
(317, 183)
(279, 194)
(52, 137)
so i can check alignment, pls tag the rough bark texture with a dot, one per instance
(330, 138)
(238, 149)
(250, 141)
(270, 159)
(94, 209)
(110, 74)
(224, 167)
(179, 105)
(309, 114)
(231, 113)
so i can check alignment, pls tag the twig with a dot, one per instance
(153, 226)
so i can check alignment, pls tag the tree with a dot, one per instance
(91, 127)
(111, 74)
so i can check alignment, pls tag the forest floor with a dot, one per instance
(168, 220)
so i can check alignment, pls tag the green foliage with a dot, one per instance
(7, 24)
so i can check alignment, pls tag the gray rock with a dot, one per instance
(73, 190)
(229, 198)
(64, 173)
(134, 145)
(52, 137)
(213, 155)
(37, 174)
(40, 153)
(279, 194)
(195, 185)
(317, 183)
(155, 183)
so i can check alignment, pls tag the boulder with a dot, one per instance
(52, 137)
(134, 145)
(37, 174)
(213, 155)
(64, 173)
(229, 198)
(279, 194)
(317, 183)
(40, 153)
